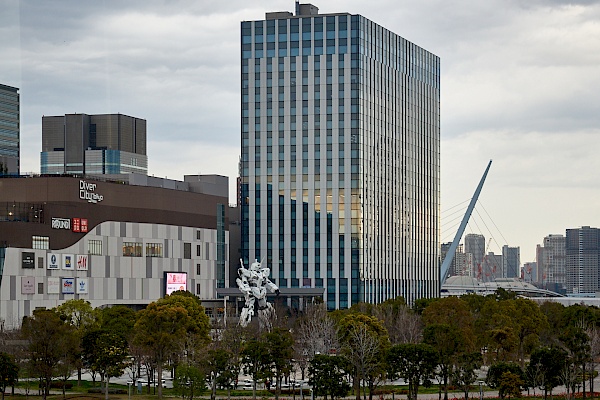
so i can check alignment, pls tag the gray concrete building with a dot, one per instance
(551, 261)
(511, 262)
(10, 130)
(583, 260)
(475, 245)
(107, 144)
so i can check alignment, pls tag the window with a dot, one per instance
(40, 288)
(198, 269)
(132, 249)
(95, 247)
(40, 262)
(198, 235)
(198, 250)
(40, 242)
(197, 289)
(187, 251)
(154, 250)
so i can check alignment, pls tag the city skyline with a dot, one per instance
(517, 87)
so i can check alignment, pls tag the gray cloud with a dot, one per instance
(518, 86)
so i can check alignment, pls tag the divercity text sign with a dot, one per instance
(87, 191)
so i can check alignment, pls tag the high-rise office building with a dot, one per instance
(340, 163)
(475, 245)
(107, 144)
(511, 262)
(583, 260)
(9, 130)
(551, 261)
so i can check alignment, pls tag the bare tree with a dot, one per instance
(316, 333)
(594, 334)
(403, 325)
(364, 352)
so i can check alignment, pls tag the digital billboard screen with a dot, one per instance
(175, 281)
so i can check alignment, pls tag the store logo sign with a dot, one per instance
(61, 223)
(87, 191)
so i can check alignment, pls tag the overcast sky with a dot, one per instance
(520, 85)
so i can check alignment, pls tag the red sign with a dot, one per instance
(76, 224)
(84, 225)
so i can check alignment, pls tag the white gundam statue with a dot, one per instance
(254, 283)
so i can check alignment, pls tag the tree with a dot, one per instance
(464, 374)
(402, 324)
(315, 333)
(256, 362)
(529, 321)
(279, 345)
(48, 337)
(80, 315)
(495, 372)
(109, 355)
(415, 363)
(189, 380)
(221, 371)
(545, 366)
(577, 344)
(9, 372)
(327, 376)
(448, 342)
(364, 342)
(161, 330)
(510, 385)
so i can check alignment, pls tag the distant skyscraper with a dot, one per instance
(475, 245)
(459, 261)
(9, 129)
(583, 260)
(492, 267)
(93, 144)
(530, 272)
(551, 260)
(511, 262)
(340, 163)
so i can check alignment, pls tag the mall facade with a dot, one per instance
(128, 242)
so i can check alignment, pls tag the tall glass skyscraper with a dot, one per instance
(9, 130)
(340, 163)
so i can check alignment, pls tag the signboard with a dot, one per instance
(175, 281)
(68, 285)
(82, 263)
(53, 261)
(53, 285)
(82, 285)
(68, 262)
(87, 191)
(27, 285)
(80, 225)
(27, 259)
(61, 223)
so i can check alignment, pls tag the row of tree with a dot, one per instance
(449, 341)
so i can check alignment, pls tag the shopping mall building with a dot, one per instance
(109, 242)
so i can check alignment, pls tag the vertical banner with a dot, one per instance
(82, 262)
(53, 261)
(53, 285)
(68, 262)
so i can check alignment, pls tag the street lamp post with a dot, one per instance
(480, 390)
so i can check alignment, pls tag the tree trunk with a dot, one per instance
(159, 368)
(213, 388)
(106, 387)
(356, 387)
(78, 376)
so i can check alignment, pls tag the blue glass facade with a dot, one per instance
(340, 157)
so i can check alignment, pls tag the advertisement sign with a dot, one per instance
(82, 263)
(68, 285)
(87, 191)
(53, 285)
(27, 285)
(82, 285)
(175, 281)
(84, 225)
(27, 259)
(68, 262)
(61, 223)
(53, 261)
